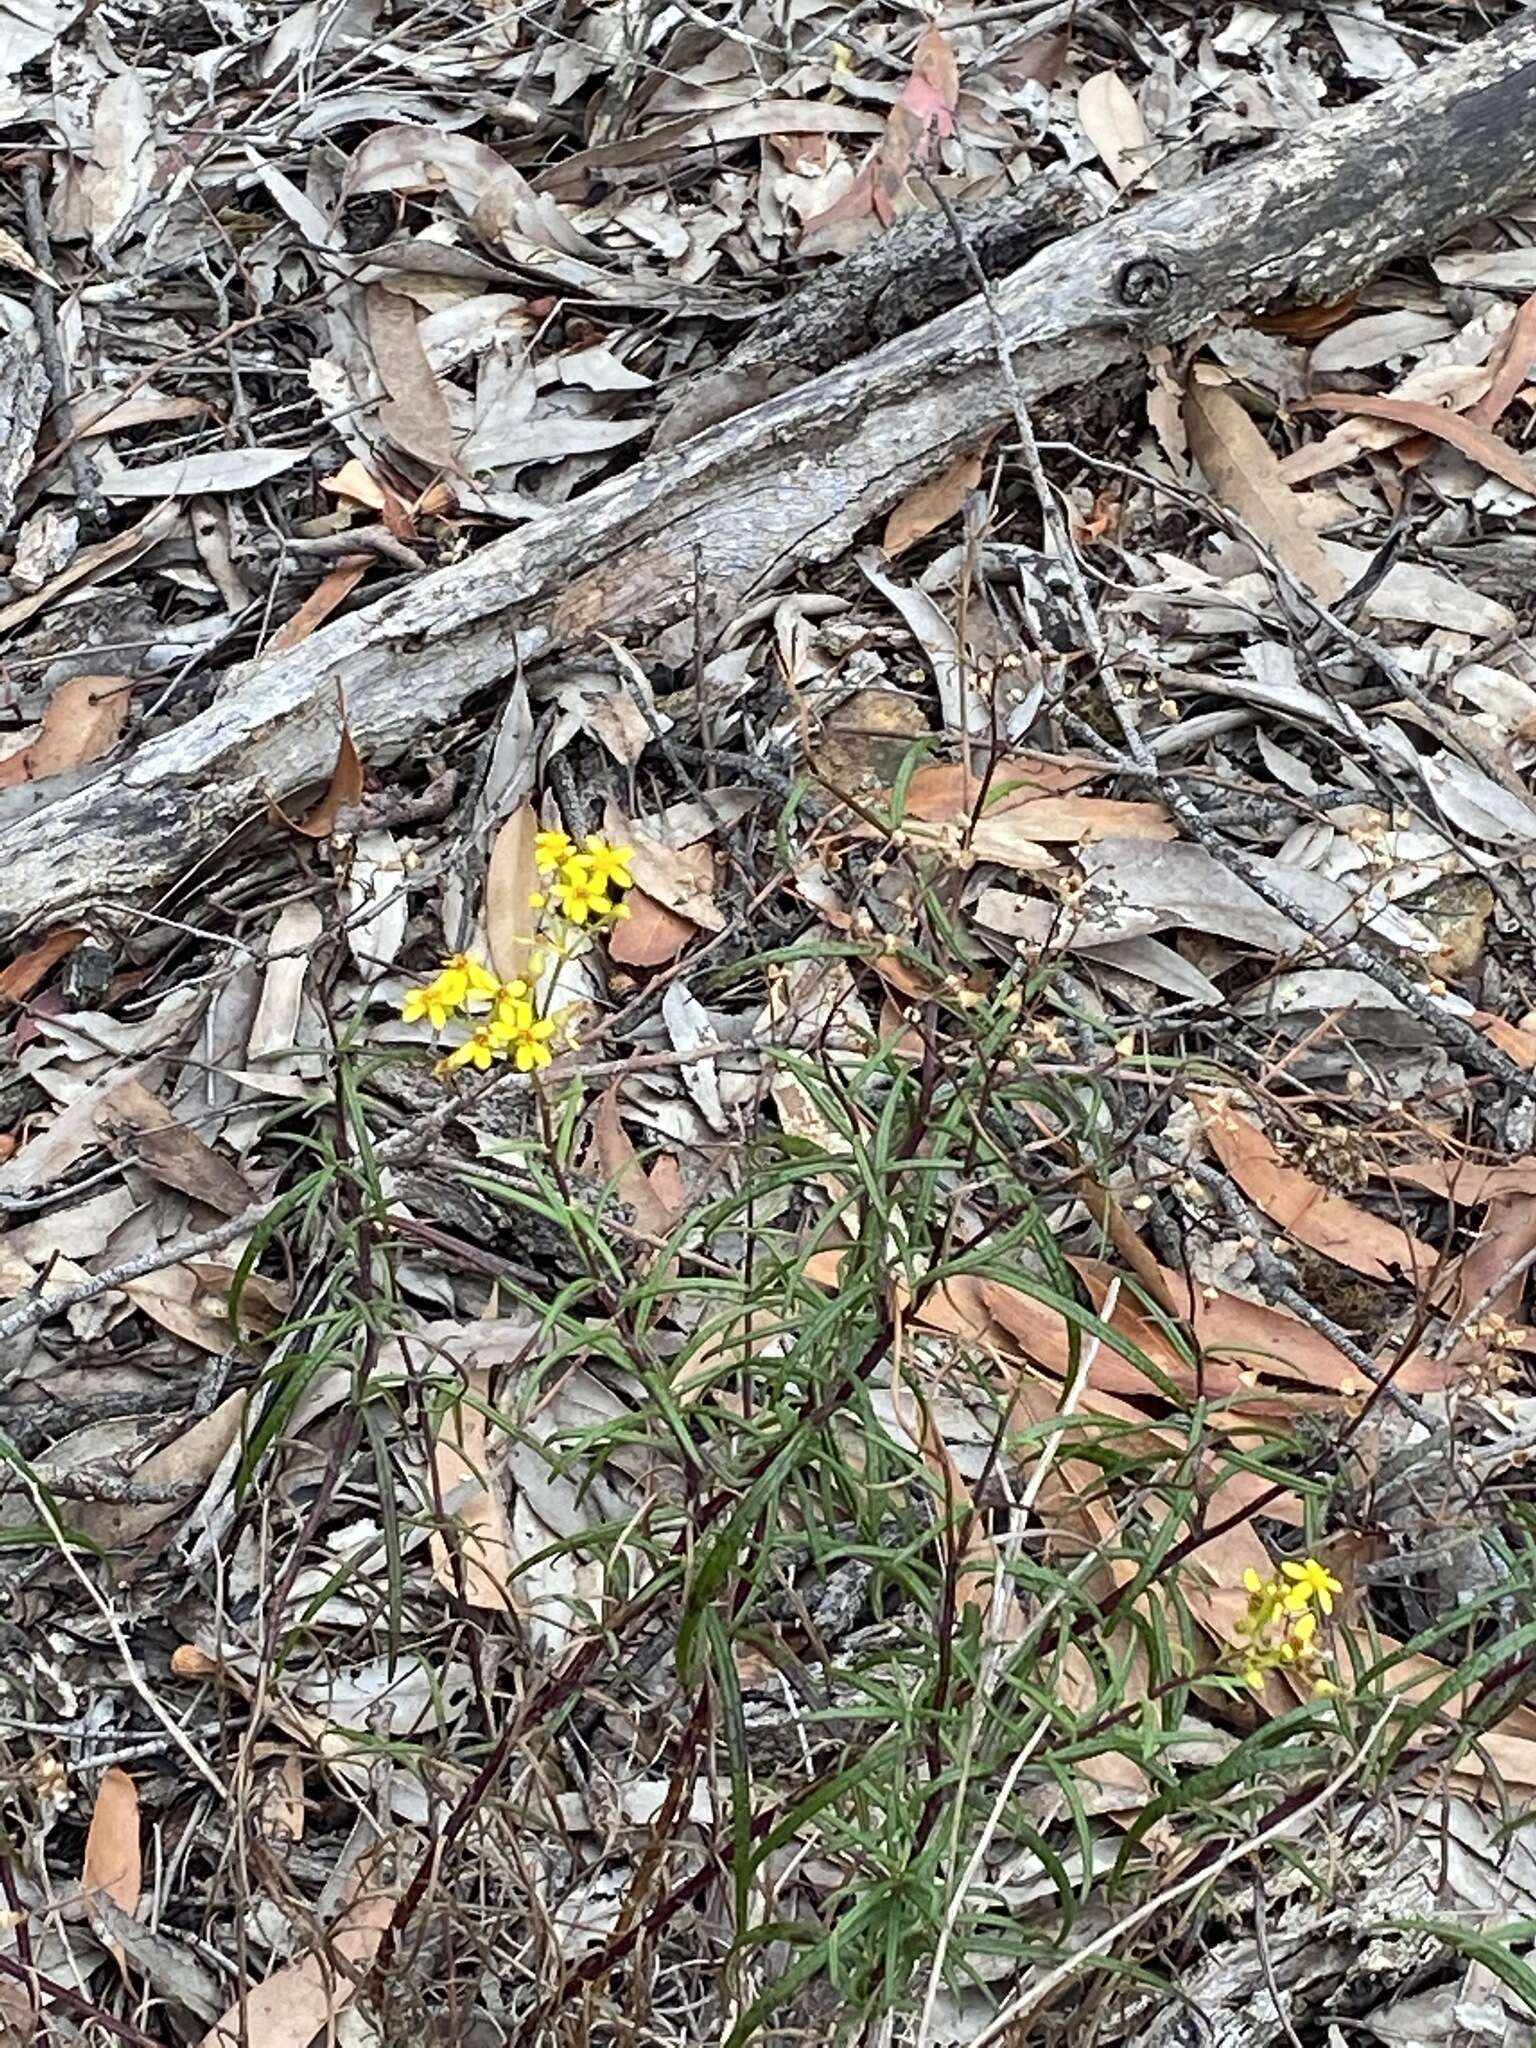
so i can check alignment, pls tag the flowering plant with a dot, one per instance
(1279, 1627)
(579, 898)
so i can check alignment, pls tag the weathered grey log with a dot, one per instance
(743, 506)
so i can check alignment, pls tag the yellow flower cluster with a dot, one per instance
(1279, 1628)
(582, 879)
(511, 1027)
(507, 1024)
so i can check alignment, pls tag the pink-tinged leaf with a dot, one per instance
(933, 90)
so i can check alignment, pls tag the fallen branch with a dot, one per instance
(738, 509)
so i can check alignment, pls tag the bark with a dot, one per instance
(743, 506)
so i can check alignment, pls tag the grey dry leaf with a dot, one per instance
(276, 1025)
(1243, 471)
(115, 182)
(220, 469)
(415, 415)
(111, 554)
(689, 1028)
(936, 637)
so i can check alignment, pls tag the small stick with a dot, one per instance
(81, 469)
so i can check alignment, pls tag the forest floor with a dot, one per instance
(739, 1350)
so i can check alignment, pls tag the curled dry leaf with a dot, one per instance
(1113, 123)
(616, 1159)
(82, 722)
(1455, 428)
(142, 1132)
(344, 789)
(299, 2000)
(29, 970)
(333, 588)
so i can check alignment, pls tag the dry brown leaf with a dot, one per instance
(1465, 1182)
(142, 1132)
(651, 935)
(511, 881)
(112, 1856)
(926, 108)
(1296, 1204)
(618, 1162)
(333, 587)
(1241, 468)
(944, 792)
(344, 790)
(28, 970)
(476, 1558)
(931, 504)
(1456, 428)
(415, 415)
(1309, 323)
(189, 1462)
(675, 878)
(293, 2005)
(1070, 820)
(1510, 1038)
(1513, 365)
(82, 722)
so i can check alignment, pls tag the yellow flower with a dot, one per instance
(1325, 1689)
(428, 1002)
(610, 865)
(551, 850)
(527, 1039)
(476, 1051)
(1310, 1581)
(579, 893)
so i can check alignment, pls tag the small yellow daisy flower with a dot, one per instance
(527, 1040)
(580, 895)
(551, 850)
(610, 865)
(477, 1051)
(1310, 1581)
(428, 1002)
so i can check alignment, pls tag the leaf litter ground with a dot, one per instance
(801, 1495)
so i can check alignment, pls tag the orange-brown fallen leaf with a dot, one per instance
(1324, 1222)
(931, 504)
(112, 1857)
(28, 970)
(618, 1162)
(1511, 368)
(82, 722)
(651, 935)
(345, 788)
(1458, 429)
(512, 879)
(336, 585)
(944, 792)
